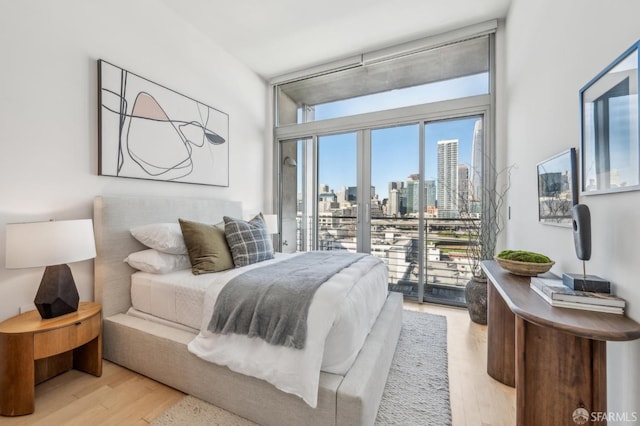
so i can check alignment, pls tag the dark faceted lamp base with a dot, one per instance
(586, 283)
(57, 294)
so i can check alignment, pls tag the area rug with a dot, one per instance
(416, 393)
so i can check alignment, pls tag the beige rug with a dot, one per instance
(194, 412)
(416, 393)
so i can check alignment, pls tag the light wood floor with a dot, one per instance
(122, 397)
(476, 398)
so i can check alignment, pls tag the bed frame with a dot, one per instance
(160, 351)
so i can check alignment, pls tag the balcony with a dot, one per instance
(396, 241)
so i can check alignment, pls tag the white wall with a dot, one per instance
(553, 48)
(48, 113)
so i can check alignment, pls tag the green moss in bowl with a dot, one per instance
(525, 263)
(523, 256)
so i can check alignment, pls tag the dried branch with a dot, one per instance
(483, 231)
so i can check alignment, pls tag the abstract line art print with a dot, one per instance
(147, 131)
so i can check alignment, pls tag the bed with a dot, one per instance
(159, 349)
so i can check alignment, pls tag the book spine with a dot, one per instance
(588, 307)
(540, 285)
(591, 300)
(577, 298)
(541, 293)
(575, 305)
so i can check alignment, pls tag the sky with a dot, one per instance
(394, 153)
(395, 150)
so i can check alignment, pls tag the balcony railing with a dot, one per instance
(447, 266)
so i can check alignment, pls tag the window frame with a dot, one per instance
(481, 105)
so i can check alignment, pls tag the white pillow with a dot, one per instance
(157, 262)
(164, 237)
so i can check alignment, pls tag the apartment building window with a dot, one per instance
(385, 158)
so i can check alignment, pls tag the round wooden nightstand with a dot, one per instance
(33, 350)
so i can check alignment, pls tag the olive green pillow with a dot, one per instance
(207, 247)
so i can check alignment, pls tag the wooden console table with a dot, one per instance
(555, 357)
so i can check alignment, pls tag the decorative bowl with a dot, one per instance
(527, 269)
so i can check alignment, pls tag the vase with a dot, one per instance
(476, 294)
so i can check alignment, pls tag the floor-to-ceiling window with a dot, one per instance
(453, 178)
(395, 207)
(386, 159)
(337, 199)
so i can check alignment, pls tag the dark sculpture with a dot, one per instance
(581, 219)
(581, 231)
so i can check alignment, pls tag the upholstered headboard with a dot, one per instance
(113, 217)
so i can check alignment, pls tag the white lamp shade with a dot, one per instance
(49, 243)
(271, 220)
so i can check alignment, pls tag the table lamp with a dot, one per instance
(52, 244)
(271, 221)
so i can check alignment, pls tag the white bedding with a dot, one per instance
(176, 296)
(340, 317)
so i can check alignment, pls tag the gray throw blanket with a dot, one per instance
(272, 302)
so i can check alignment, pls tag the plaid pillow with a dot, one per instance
(249, 242)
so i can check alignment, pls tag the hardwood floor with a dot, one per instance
(122, 397)
(119, 397)
(476, 398)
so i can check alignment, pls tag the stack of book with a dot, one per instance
(558, 294)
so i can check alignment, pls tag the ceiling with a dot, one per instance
(274, 37)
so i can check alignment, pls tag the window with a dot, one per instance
(443, 73)
(455, 88)
(388, 159)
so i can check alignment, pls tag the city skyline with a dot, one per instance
(394, 154)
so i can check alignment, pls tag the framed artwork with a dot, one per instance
(610, 133)
(557, 188)
(147, 131)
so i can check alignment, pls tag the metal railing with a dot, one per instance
(396, 240)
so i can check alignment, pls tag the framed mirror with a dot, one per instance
(610, 133)
(557, 188)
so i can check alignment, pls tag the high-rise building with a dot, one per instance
(397, 199)
(341, 196)
(411, 191)
(463, 188)
(475, 176)
(448, 178)
(398, 185)
(327, 199)
(393, 203)
(430, 194)
(351, 193)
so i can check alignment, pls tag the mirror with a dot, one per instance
(610, 151)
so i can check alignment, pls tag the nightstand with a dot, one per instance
(33, 350)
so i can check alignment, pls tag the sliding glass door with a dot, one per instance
(453, 157)
(395, 204)
(338, 198)
(387, 154)
(406, 193)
